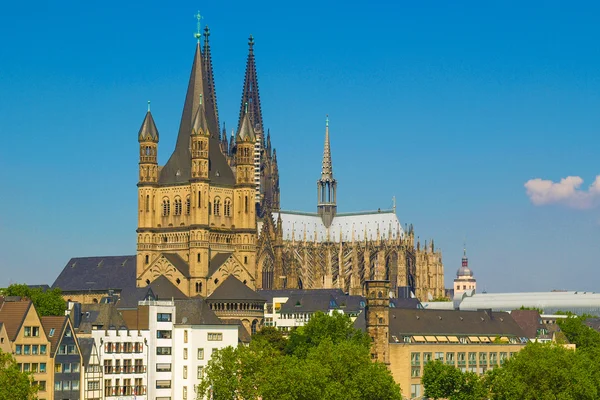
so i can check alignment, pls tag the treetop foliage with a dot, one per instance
(326, 359)
(15, 384)
(49, 302)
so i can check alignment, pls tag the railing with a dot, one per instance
(126, 369)
(110, 391)
(156, 303)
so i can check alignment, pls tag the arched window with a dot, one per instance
(246, 204)
(188, 205)
(199, 199)
(177, 206)
(217, 206)
(147, 202)
(254, 326)
(166, 207)
(198, 257)
(147, 258)
(227, 208)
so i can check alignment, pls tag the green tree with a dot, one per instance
(577, 332)
(326, 359)
(447, 382)
(14, 384)
(49, 302)
(545, 371)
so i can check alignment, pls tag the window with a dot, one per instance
(188, 205)
(198, 287)
(439, 356)
(34, 367)
(18, 349)
(166, 208)
(147, 203)
(215, 337)
(426, 358)
(245, 259)
(177, 206)
(200, 372)
(163, 334)
(185, 354)
(52, 330)
(26, 367)
(68, 333)
(93, 385)
(415, 372)
(200, 354)
(163, 384)
(198, 257)
(74, 385)
(163, 351)
(62, 349)
(185, 393)
(66, 368)
(72, 349)
(75, 367)
(42, 349)
(246, 204)
(185, 337)
(217, 207)
(27, 331)
(41, 385)
(27, 349)
(43, 368)
(227, 208)
(450, 358)
(163, 367)
(34, 349)
(163, 317)
(185, 372)
(199, 200)
(415, 391)
(147, 258)
(415, 359)
(66, 385)
(35, 331)
(58, 386)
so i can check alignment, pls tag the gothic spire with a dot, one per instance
(148, 129)
(210, 83)
(250, 95)
(245, 132)
(327, 168)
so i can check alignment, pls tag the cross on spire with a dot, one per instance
(198, 33)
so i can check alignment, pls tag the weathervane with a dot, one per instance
(198, 33)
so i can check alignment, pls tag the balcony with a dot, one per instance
(112, 391)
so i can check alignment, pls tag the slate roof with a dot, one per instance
(178, 263)
(195, 312)
(178, 167)
(102, 315)
(129, 298)
(593, 323)
(233, 289)
(58, 324)
(310, 302)
(405, 303)
(148, 129)
(217, 261)
(529, 320)
(43, 288)
(12, 314)
(97, 273)
(405, 321)
(270, 294)
(87, 346)
(164, 289)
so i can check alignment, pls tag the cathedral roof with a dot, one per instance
(97, 273)
(233, 289)
(195, 312)
(178, 168)
(217, 261)
(178, 263)
(350, 225)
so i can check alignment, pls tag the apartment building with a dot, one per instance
(92, 369)
(28, 342)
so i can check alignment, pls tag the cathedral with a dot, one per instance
(213, 210)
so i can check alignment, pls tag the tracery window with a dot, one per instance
(217, 207)
(188, 205)
(227, 207)
(177, 206)
(166, 207)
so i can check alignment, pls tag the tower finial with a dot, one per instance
(394, 204)
(200, 98)
(327, 120)
(198, 33)
(251, 42)
(246, 107)
(206, 32)
(148, 105)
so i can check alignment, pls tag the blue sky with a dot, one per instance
(452, 108)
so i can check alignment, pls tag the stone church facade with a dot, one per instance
(327, 249)
(212, 211)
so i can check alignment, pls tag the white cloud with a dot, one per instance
(567, 192)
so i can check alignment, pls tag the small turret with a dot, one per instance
(148, 139)
(327, 185)
(244, 157)
(199, 143)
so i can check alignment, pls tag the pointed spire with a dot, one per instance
(246, 133)
(327, 169)
(211, 93)
(200, 125)
(148, 129)
(250, 93)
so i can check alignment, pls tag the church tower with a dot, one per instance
(377, 314)
(197, 222)
(327, 186)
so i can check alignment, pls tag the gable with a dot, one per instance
(171, 266)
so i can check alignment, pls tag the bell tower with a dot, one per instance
(377, 313)
(327, 185)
